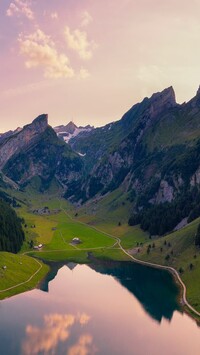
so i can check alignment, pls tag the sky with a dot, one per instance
(90, 60)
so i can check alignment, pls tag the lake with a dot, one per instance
(105, 308)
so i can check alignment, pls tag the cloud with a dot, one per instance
(57, 328)
(78, 41)
(20, 8)
(40, 51)
(86, 19)
(84, 346)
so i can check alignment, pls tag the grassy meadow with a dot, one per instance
(19, 269)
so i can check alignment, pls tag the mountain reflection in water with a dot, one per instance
(155, 289)
(105, 308)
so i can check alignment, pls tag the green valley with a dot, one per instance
(99, 239)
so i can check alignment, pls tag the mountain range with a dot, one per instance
(152, 153)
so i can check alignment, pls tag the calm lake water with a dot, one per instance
(105, 308)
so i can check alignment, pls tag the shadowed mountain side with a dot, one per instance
(36, 151)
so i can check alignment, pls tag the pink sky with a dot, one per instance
(91, 60)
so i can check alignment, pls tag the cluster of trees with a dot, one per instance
(11, 232)
(163, 218)
(197, 237)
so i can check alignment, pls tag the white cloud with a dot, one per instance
(40, 51)
(20, 8)
(86, 19)
(78, 41)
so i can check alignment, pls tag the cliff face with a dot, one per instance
(36, 151)
(22, 139)
(162, 101)
(111, 171)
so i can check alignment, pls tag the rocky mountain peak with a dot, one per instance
(21, 139)
(163, 100)
(165, 97)
(70, 127)
(39, 124)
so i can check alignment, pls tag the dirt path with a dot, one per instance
(23, 283)
(146, 263)
(117, 241)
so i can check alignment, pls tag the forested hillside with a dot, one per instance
(11, 232)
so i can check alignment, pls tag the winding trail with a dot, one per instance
(117, 242)
(170, 269)
(146, 263)
(23, 283)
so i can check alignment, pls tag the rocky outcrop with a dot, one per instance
(162, 101)
(165, 193)
(36, 151)
(195, 179)
(22, 139)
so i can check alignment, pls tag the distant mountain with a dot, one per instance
(152, 154)
(106, 139)
(36, 151)
(114, 147)
(70, 131)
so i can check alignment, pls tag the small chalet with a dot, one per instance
(76, 240)
(38, 246)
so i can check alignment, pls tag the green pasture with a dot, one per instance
(19, 268)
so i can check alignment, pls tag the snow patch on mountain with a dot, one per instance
(70, 131)
(68, 136)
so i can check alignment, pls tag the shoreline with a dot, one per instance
(182, 299)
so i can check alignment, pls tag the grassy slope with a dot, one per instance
(106, 215)
(176, 128)
(19, 270)
(184, 253)
(57, 243)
